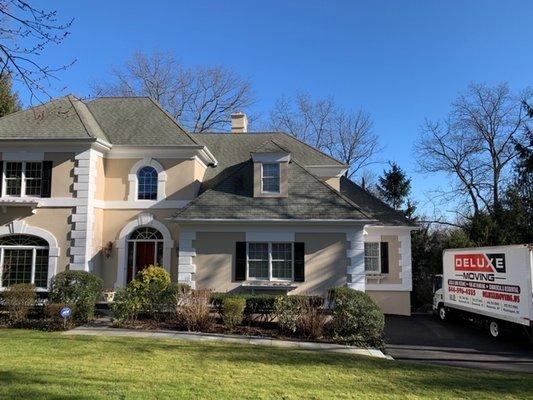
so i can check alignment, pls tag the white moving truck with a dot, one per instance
(490, 284)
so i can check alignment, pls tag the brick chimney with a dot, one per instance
(239, 123)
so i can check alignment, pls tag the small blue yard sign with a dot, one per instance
(65, 312)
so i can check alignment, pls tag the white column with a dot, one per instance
(81, 250)
(186, 266)
(405, 261)
(356, 257)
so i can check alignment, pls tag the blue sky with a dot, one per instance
(403, 61)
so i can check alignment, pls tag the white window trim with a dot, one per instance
(20, 227)
(378, 272)
(279, 178)
(134, 183)
(270, 277)
(33, 261)
(22, 179)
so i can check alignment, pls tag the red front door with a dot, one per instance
(144, 255)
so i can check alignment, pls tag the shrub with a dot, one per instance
(233, 311)
(287, 310)
(52, 320)
(79, 289)
(258, 306)
(356, 318)
(153, 289)
(127, 305)
(19, 299)
(312, 320)
(194, 310)
(301, 314)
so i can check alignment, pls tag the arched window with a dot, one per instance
(145, 247)
(23, 259)
(147, 183)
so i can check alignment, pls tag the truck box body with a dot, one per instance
(492, 281)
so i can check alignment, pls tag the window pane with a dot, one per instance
(33, 176)
(17, 266)
(41, 268)
(129, 272)
(270, 177)
(258, 260)
(147, 184)
(13, 178)
(372, 262)
(282, 260)
(372, 249)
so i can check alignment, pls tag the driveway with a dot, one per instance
(422, 338)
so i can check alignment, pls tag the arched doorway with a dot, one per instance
(24, 259)
(145, 247)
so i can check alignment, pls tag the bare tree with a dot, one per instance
(474, 145)
(202, 98)
(25, 32)
(352, 140)
(308, 120)
(346, 136)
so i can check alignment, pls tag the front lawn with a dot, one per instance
(37, 365)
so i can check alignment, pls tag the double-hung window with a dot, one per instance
(22, 178)
(270, 181)
(270, 261)
(372, 258)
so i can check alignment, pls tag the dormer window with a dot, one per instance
(270, 178)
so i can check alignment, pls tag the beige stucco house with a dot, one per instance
(114, 184)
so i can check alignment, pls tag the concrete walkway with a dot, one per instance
(195, 336)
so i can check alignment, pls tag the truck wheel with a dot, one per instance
(443, 314)
(495, 329)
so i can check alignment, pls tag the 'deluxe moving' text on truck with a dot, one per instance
(490, 284)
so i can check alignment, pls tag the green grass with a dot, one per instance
(35, 365)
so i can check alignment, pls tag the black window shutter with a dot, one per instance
(384, 250)
(1, 173)
(46, 182)
(240, 261)
(299, 262)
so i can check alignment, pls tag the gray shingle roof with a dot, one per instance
(371, 205)
(233, 149)
(58, 119)
(137, 121)
(308, 199)
(117, 120)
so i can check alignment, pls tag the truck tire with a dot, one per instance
(442, 313)
(495, 328)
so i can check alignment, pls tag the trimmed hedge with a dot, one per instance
(356, 318)
(262, 305)
(77, 288)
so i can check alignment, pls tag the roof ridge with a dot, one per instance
(312, 147)
(174, 120)
(70, 98)
(87, 118)
(339, 194)
(258, 148)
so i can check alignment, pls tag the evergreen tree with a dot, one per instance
(394, 186)
(9, 100)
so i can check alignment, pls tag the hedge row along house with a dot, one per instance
(112, 185)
